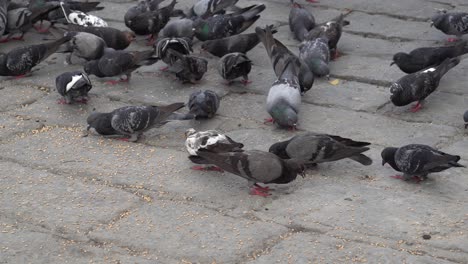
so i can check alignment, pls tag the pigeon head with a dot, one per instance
(130, 36)
(201, 28)
(319, 67)
(93, 117)
(400, 57)
(398, 98)
(388, 156)
(279, 149)
(284, 115)
(92, 67)
(439, 19)
(294, 167)
(190, 132)
(465, 118)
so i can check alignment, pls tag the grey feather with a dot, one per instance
(316, 54)
(301, 21)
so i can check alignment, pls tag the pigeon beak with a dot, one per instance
(383, 162)
(392, 63)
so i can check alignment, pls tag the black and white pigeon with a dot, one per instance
(417, 161)
(130, 121)
(83, 45)
(163, 45)
(282, 58)
(237, 43)
(455, 23)
(188, 68)
(206, 8)
(419, 85)
(301, 21)
(73, 86)
(209, 140)
(58, 16)
(316, 54)
(257, 167)
(422, 58)
(119, 62)
(221, 26)
(284, 96)
(318, 148)
(331, 30)
(81, 18)
(178, 28)
(20, 61)
(3, 16)
(114, 38)
(234, 65)
(201, 104)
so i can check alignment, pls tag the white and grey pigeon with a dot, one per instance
(316, 54)
(130, 121)
(234, 65)
(209, 140)
(455, 23)
(163, 45)
(73, 86)
(83, 45)
(417, 161)
(201, 104)
(301, 21)
(419, 85)
(81, 18)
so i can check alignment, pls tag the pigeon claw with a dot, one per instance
(398, 177)
(416, 107)
(62, 101)
(259, 192)
(450, 40)
(261, 188)
(268, 120)
(245, 82)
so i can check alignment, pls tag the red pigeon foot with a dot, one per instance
(399, 177)
(62, 101)
(336, 55)
(255, 191)
(20, 76)
(245, 82)
(416, 107)
(452, 40)
(164, 69)
(262, 188)
(268, 120)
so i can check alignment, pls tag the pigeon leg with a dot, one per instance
(416, 107)
(417, 179)
(245, 81)
(40, 29)
(82, 101)
(151, 40)
(450, 40)
(62, 101)
(262, 188)
(399, 177)
(268, 120)
(20, 76)
(336, 55)
(256, 191)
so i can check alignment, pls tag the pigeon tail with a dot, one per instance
(363, 159)
(446, 65)
(252, 11)
(178, 116)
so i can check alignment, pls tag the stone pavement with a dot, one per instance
(66, 198)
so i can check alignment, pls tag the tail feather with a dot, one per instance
(446, 65)
(251, 12)
(363, 159)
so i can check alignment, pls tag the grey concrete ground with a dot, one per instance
(66, 198)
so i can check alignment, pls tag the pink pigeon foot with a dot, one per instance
(416, 107)
(62, 101)
(164, 69)
(336, 55)
(398, 177)
(245, 82)
(268, 120)
(41, 30)
(262, 188)
(20, 76)
(259, 192)
(453, 40)
(151, 40)
(20, 38)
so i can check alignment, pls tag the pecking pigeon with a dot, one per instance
(113, 37)
(206, 8)
(201, 104)
(417, 161)
(451, 23)
(316, 54)
(73, 86)
(188, 68)
(301, 21)
(84, 46)
(419, 85)
(130, 121)
(181, 45)
(235, 65)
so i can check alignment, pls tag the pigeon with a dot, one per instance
(206, 8)
(417, 161)
(73, 86)
(301, 21)
(417, 86)
(316, 54)
(181, 45)
(281, 58)
(178, 28)
(188, 68)
(332, 30)
(284, 96)
(201, 104)
(19, 61)
(113, 37)
(84, 46)
(235, 65)
(57, 15)
(3, 16)
(149, 22)
(451, 23)
(19, 20)
(423, 58)
(237, 43)
(465, 118)
(80, 18)
(257, 167)
(209, 140)
(221, 26)
(130, 121)
(318, 148)
(119, 62)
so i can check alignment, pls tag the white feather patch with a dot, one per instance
(430, 70)
(74, 79)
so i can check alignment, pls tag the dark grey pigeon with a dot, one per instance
(318, 148)
(131, 121)
(201, 104)
(178, 28)
(83, 45)
(235, 65)
(237, 43)
(316, 54)
(419, 85)
(465, 118)
(422, 58)
(221, 26)
(301, 21)
(188, 68)
(163, 45)
(3, 16)
(113, 37)
(257, 167)
(21, 60)
(417, 161)
(284, 96)
(455, 23)
(73, 86)
(119, 62)
(206, 8)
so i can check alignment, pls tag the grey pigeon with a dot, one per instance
(163, 45)
(83, 45)
(421, 58)
(3, 16)
(113, 37)
(316, 54)
(301, 21)
(419, 85)
(465, 118)
(282, 58)
(73, 86)
(455, 23)
(19, 20)
(257, 167)
(21, 60)
(237, 43)
(209, 140)
(221, 26)
(235, 65)
(201, 104)
(417, 161)
(284, 96)
(188, 68)
(206, 8)
(332, 30)
(131, 121)
(119, 62)
(318, 148)
(178, 28)
(81, 18)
